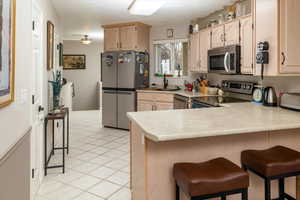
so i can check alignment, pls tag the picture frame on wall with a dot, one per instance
(7, 53)
(50, 45)
(170, 33)
(74, 62)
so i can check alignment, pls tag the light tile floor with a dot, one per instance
(97, 167)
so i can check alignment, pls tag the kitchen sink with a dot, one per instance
(163, 89)
(169, 89)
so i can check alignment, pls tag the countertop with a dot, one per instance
(237, 118)
(179, 92)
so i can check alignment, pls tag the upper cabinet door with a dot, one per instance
(128, 37)
(289, 36)
(217, 36)
(111, 42)
(232, 33)
(205, 45)
(247, 45)
(194, 51)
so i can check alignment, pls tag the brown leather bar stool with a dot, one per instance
(215, 178)
(276, 163)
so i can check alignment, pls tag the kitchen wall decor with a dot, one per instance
(170, 33)
(50, 45)
(7, 55)
(74, 62)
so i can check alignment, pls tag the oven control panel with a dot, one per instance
(238, 87)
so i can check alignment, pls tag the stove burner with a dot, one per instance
(216, 101)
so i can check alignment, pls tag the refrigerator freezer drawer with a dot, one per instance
(126, 103)
(109, 108)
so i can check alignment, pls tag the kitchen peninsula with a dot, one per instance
(160, 139)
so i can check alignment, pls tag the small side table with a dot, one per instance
(63, 115)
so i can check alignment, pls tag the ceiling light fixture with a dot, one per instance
(145, 7)
(85, 40)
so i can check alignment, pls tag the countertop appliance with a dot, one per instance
(181, 102)
(269, 97)
(122, 73)
(225, 60)
(290, 101)
(235, 92)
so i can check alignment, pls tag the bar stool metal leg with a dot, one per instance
(177, 192)
(267, 189)
(245, 195)
(281, 188)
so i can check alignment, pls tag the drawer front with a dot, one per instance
(160, 97)
(154, 96)
(145, 96)
(164, 106)
(145, 106)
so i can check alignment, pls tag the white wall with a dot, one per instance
(14, 119)
(85, 81)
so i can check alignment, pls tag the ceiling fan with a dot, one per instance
(84, 39)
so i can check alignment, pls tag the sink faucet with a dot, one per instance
(166, 82)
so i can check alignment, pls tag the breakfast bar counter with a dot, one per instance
(160, 139)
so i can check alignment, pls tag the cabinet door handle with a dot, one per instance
(283, 58)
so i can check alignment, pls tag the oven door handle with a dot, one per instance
(225, 62)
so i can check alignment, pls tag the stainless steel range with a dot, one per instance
(235, 92)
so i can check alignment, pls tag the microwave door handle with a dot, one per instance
(225, 62)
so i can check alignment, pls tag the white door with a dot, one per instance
(37, 111)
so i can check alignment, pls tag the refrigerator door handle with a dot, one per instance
(125, 93)
(109, 92)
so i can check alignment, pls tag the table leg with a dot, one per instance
(68, 132)
(63, 145)
(45, 139)
(53, 136)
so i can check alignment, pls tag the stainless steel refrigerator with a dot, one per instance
(122, 73)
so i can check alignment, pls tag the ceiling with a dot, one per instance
(87, 16)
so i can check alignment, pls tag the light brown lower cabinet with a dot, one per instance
(154, 101)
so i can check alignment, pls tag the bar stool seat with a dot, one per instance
(212, 177)
(276, 163)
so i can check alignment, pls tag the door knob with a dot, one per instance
(41, 108)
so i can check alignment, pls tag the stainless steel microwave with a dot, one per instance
(225, 60)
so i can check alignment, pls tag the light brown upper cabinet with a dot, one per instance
(232, 33)
(194, 65)
(226, 34)
(217, 36)
(129, 36)
(205, 45)
(247, 46)
(289, 36)
(111, 41)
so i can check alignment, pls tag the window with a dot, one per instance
(171, 57)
